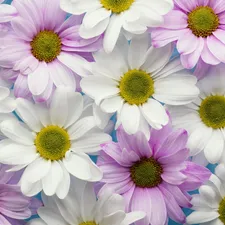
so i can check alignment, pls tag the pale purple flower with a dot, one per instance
(45, 49)
(153, 176)
(198, 26)
(14, 206)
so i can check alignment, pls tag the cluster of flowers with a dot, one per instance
(74, 74)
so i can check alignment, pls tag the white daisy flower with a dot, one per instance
(204, 119)
(209, 204)
(81, 208)
(52, 143)
(133, 80)
(128, 17)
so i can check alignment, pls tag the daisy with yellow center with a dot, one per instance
(113, 17)
(81, 208)
(45, 51)
(209, 204)
(205, 118)
(134, 86)
(198, 29)
(52, 143)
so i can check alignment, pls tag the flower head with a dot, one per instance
(209, 204)
(45, 50)
(112, 17)
(55, 139)
(153, 176)
(198, 27)
(81, 208)
(204, 119)
(134, 79)
(14, 206)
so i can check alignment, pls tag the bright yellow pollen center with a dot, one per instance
(117, 6)
(203, 21)
(136, 87)
(88, 223)
(46, 46)
(212, 111)
(221, 211)
(52, 142)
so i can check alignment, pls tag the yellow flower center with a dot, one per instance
(117, 6)
(88, 223)
(136, 87)
(221, 211)
(46, 46)
(203, 21)
(146, 173)
(212, 111)
(52, 142)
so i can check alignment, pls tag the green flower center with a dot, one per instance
(221, 211)
(88, 223)
(136, 87)
(52, 142)
(117, 6)
(46, 46)
(203, 21)
(212, 111)
(146, 173)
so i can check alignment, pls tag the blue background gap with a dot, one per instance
(210, 166)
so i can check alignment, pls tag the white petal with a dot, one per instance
(111, 105)
(114, 218)
(16, 154)
(201, 217)
(33, 173)
(75, 103)
(59, 107)
(132, 217)
(113, 31)
(81, 127)
(38, 80)
(157, 58)
(63, 188)
(155, 113)
(214, 151)
(137, 50)
(76, 63)
(130, 118)
(30, 189)
(36, 222)
(52, 180)
(16, 132)
(81, 166)
(27, 112)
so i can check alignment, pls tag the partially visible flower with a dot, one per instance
(112, 17)
(198, 27)
(14, 206)
(102, 119)
(46, 50)
(134, 79)
(52, 143)
(209, 204)
(153, 176)
(204, 119)
(80, 207)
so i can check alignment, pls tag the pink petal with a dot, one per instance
(7, 13)
(21, 89)
(187, 6)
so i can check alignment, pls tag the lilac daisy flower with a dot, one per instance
(14, 206)
(44, 48)
(153, 176)
(198, 26)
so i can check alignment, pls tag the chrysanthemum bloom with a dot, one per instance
(113, 17)
(153, 176)
(204, 119)
(14, 206)
(198, 26)
(134, 79)
(81, 208)
(52, 143)
(210, 202)
(45, 48)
